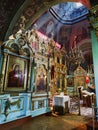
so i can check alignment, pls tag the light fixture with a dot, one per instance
(75, 54)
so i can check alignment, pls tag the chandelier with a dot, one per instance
(75, 54)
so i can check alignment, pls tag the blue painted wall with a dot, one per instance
(95, 61)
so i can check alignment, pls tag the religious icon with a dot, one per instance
(41, 79)
(70, 81)
(15, 77)
(16, 74)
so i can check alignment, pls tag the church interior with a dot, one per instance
(48, 64)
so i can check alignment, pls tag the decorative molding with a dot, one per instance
(93, 17)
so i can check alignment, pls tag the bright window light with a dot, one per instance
(78, 4)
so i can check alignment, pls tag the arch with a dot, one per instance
(32, 11)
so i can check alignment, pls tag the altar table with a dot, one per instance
(61, 104)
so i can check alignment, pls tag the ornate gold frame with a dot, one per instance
(11, 62)
(70, 82)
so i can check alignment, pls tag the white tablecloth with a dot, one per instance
(60, 100)
(87, 93)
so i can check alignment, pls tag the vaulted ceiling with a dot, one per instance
(64, 13)
(12, 10)
(69, 12)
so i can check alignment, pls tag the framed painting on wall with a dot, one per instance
(41, 79)
(15, 74)
(70, 82)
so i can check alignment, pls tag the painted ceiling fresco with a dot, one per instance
(49, 24)
(11, 11)
(69, 12)
(63, 30)
(54, 20)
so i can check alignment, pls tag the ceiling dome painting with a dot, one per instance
(63, 22)
(61, 19)
(69, 12)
